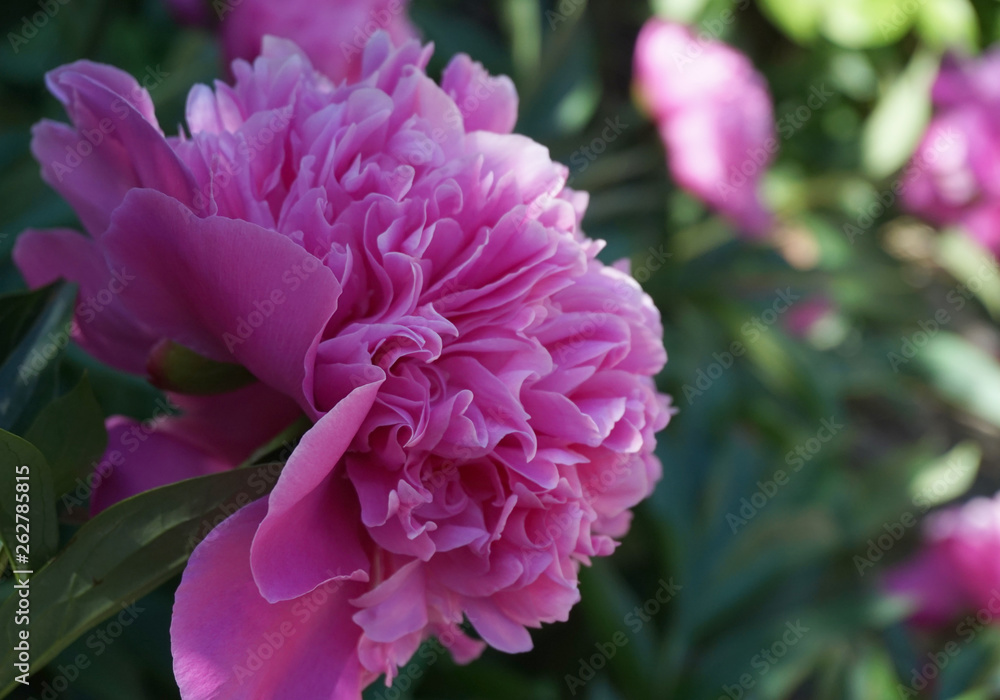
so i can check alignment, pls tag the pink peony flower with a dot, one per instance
(959, 567)
(332, 33)
(714, 115)
(954, 177)
(389, 256)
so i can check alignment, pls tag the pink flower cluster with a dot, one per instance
(959, 566)
(954, 178)
(384, 256)
(714, 115)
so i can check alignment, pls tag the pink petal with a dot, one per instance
(104, 327)
(499, 631)
(487, 103)
(229, 643)
(316, 507)
(232, 425)
(140, 458)
(185, 268)
(119, 143)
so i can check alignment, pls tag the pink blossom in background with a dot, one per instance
(802, 318)
(413, 276)
(332, 33)
(954, 178)
(958, 568)
(193, 11)
(715, 118)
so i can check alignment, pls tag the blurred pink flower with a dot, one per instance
(414, 276)
(714, 115)
(803, 317)
(959, 566)
(332, 33)
(954, 177)
(193, 11)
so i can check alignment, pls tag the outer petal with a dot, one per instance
(229, 289)
(316, 507)
(119, 144)
(147, 460)
(229, 643)
(103, 325)
(234, 424)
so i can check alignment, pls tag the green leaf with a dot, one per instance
(799, 19)
(609, 605)
(174, 367)
(947, 24)
(122, 554)
(858, 24)
(19, 458)
(34, 329)
(70, 434)
(973, 266)
(896, 124)
(963, 374)
(872, 676)
(947, 478)
(685, 11)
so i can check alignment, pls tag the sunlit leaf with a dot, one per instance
(894, 128)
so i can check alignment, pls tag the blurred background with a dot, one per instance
(836, 380)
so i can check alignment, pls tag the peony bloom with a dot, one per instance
(387, 255)
(954, 177)
(959, 567)
(714, 115)
(332, 33)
